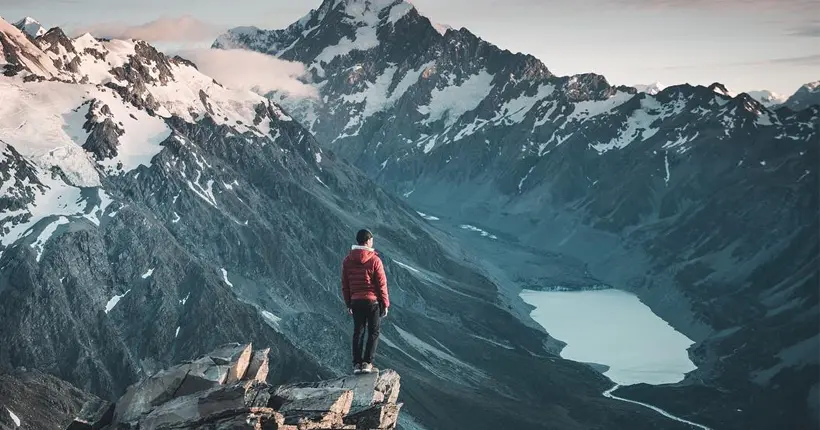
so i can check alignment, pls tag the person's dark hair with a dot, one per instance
(363, 236)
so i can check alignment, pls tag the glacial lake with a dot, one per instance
(613, 328)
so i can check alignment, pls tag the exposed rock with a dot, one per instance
(259, 366)
(203, 394)
(388, 384)
(94, 415)
(336, 400)
(240, 367)
(381, 416)
(39, 400)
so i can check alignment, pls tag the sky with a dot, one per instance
(745, 44)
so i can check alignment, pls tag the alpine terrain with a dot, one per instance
(149, 214)
(702, 202)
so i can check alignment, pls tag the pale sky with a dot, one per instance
(745, 44)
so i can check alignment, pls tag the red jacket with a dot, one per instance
(363, 277)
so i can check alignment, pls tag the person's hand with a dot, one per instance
(349, 311)
(384, 312)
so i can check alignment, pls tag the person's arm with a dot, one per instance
(345, 284)
(381, 280)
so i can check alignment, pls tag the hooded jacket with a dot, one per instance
(363, 277)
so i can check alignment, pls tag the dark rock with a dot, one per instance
(381, 416)
(94, 415)
(195, 407)
(39, 400)
(336, 400)
(142, 397)
(257, 394)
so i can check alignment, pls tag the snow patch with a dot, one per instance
(408, 267)
(515, 110)
(591, 108)
(45, 235)
(453, 101)
(225, 277)
(270, 318)
(148, 273)
(478, 230)
(521, 183)
(14, 418)
(666, 164)
(428, 217)
(114, 300)
(176, 334)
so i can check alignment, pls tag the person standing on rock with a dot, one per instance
(364, 289)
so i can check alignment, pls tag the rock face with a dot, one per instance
(702, 202)
(806, 96)
(203, 393)
(32, 400)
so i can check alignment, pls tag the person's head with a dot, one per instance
(364, 238)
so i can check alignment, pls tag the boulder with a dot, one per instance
(335, 400)
(227, 389)
(143, 396)
(195, 408)
(388, 385)
(259, 366)
(363, 387)
(239, 366)
(382, 416)
(257, 394)
(95, 414)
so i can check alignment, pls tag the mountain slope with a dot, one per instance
(806, 96)
(702, 202)
(150, 214)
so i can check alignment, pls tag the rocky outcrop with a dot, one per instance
(33, 400)
(228, 388)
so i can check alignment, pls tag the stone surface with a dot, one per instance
(240, 366)
(94, 415)
(388, 385)
(39, 400)
(382, 416)
(259, 366)
(336, 400)
(362, 386)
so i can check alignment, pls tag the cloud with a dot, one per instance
(802, 60)
(248, 70)
(805, 60)
(167, 29)
(811, 29)
(777, 5)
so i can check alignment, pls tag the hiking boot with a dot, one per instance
(366, 368)
(357, 368)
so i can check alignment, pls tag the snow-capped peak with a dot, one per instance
(652, 89)
(812, 86)
(442, 28)
(31, 27)
(767, 98)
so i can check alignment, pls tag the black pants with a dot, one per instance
(365, 313)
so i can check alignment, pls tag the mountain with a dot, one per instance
(702, 202)
(767, 98)
(30, 27)
(806, 96)
(150, 214)
(652, 89)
